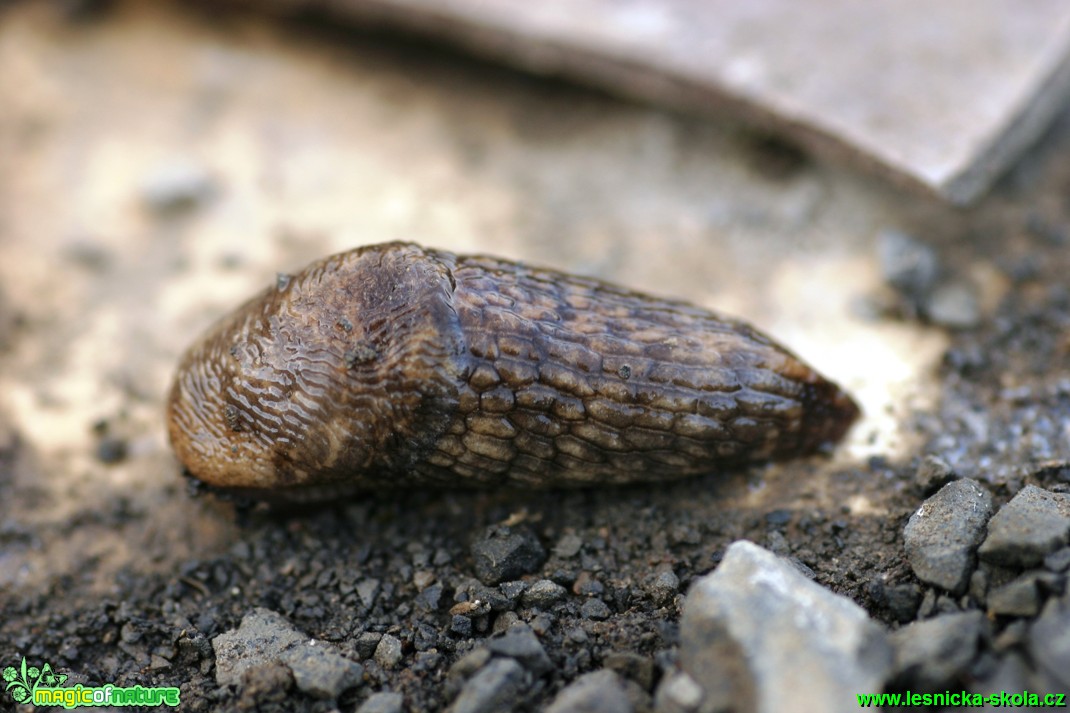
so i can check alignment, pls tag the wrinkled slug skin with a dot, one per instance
(397, 365)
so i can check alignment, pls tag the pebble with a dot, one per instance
(679, 693)
(942, 536)
(632, 667)
(663, 588)
(932, 474)
(366, 643)
(496, 688)
(1058, 561)
(805, 647)
(388, 651)
(1049, 640)
(512, 590)
(519, 642)
(954, 305)
(1020, 597)
(906, 263)
(502, 553)
(383, 702)
(1035, 523)
(901, 600)
(931, 654)
(543, 594)
(368, 591)
(595, 609)
(265, 637)
(461, 625)
(568, 546)
(176, 185)
(597, 692)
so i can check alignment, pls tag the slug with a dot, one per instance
(395, 365)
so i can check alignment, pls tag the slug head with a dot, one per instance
(346, 370)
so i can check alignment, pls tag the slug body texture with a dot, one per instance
(396, 365)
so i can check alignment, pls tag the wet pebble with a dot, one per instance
(596, 692)
(1035, 523)
(930, 655)
(383, 702)
(942, 536)
(502, 553)
(757, 607)
(496, 688)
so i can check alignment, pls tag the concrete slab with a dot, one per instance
(943, 95)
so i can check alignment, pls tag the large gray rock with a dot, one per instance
(759, 635)
(265, 638)
(941, 538)
(1033, 524)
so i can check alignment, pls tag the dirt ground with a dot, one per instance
(295, 140)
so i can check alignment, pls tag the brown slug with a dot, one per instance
(397, 365)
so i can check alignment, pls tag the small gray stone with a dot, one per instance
(595, 609)
(568, 546)
(1058, 561)
(1035, 523)
(906, 263)
(902, 601)
(512, 590)
(933, 474)
(266, 638)
(1020, 597)
(366, 644)
(954, 305)
(461, 625)
(543, 594)
(503, 553)
(368, 591)
(632, 667)
(679, 693)
(176, 185)
(495, 688)
(321, 673)
(520, 643)
(941, 538)
(758, 631)
(388, 651)
(930, 654)
(1049, 640)
(597, 692)
(383, 702)
(664, 588)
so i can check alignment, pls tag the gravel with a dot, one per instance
(502, 553)
(1034, 524)
(941, 538)
(804, 647)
